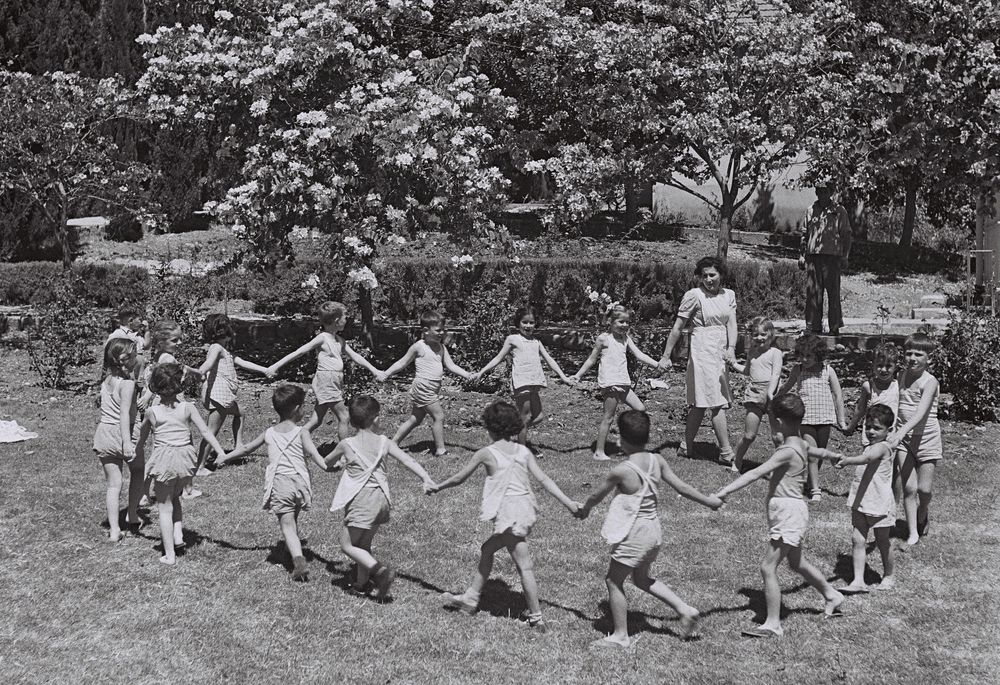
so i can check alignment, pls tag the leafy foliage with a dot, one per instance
(967, 366)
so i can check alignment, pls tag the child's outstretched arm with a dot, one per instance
(309, 447)
(823, 453)
(249, 366)
(362, 362)
(838, 398)
(793, 378)
(412, 464)
(927, 396)
(127, 390)
(501, 355)
(611, 482)
(211, 359)
(780, 458)
(536, 471)
(866, 457)
(737, 367)
(553, 365)
(194, 417)
(336, 455)
(144, 431)
(595, 354)
(452, 366)
(242, 450)
(859, 409)
(402, 362)
(670, 478)
(640, 355)
(477, 460)
(309, 346)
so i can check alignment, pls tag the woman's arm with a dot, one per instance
(194, 417)
(452, 366)
(477, 459)
(588, 364)
(639, 354)
(732, 332)
(492, 364)
(668, 349)
(361, 361)
(838, 398)
(553, 365)
(403, 361)
(244, 449)
(311, 345)
(923, 410)
(127, 392)
(535, 470)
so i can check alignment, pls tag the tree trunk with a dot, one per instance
(725, 226)
(631, 204)
(62, 232)
(909, 213)
(645, 194)
(367, 315)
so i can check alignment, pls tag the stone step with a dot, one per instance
(934, 300)
(931, 313)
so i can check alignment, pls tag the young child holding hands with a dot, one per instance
(430, 357)
(764, 370)
(787, 515)
(872, 504)
(509, 504)
(328, 382)
(610, 353)
(632, 527)
(527, 377)
(363, 492)
(881, 388)
(287, 486)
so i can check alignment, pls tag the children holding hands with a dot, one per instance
(764, 370)
(632, 527)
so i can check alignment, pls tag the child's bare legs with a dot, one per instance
(908, 476)
(416, 417)
(925, 482)
(112, 495)
(356, 543)
(833, 598)
(772, 589)
(818, 436)
(343, 419)
(216, 419)
(237, 425)
(610, 407)
(754, 413)
(316, 420)
(168, 505)
(859, 551)
(436, 412)
(882, 540)
(493, 544)
(615, 580)
(529, 406)
(289, 523)
(663, 592)
(519, 552)
(136, 481)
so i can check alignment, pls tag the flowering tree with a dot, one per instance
(56, 146)
(337, 131)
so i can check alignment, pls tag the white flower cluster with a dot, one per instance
(464, 262)
(364, 277)
(357, 246)
(311, 283)
(395, 240)
(601, 300)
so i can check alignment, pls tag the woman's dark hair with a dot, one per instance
(713, 262)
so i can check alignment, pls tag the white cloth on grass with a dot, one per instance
(10, 431)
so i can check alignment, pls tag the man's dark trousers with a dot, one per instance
(823, 274)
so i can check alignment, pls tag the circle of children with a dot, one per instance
(897, 407)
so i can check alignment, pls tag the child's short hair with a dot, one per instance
(167, 379)
(113, 352)
(126, 314)
(790, 408)
(885, 354)
(523, 312)
(286, 397)
(713, 262)
(162, 331)
(216, 326)
(431, 318)
(362, 411)
(760, 323)
(633, 427)
(810, 344)
(503, 419)
(329, 312)
(881, 415)
(921, 342)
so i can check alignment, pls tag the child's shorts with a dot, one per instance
(618, 392)
(516, 515)
(108, 444)
(756, 407)
(641, 545)
(788, 518)
(368, 509)
(164, 490)
(874, 520)
(526, 391)
(289, 495)
(925, 447)
(328, 387)
(425, 392)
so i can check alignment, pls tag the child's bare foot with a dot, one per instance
(690, 626)
(440, 453)
(191, 494)
(612, 642)
(855, 588)
(168, 560)
(888, 583)
(115, 535)
(383, 581)
(299, 570)
(459, 603)
(912, 540)
(601, 456)
(736, 468)
(832, 607)
(763, 631)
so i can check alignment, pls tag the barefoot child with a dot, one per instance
(113, 439)
(328, 383)
(172, 463)
(818, 387)
(287, 487)
(363, 492)
(431, 358)
(163, 341)
(632, 527)
(872, 504)
(611, 348)
(917, 437)
(221, 384)
(527, 377)
(764, 370)
(881, 388)
(787, 515)
(509, 504)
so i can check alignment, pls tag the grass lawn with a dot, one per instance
(78, 608)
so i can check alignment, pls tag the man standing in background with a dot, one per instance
(826, 244)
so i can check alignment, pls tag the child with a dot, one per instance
(172, 463)
(787, 515)
(163, 342)
(131, 327)
(363, 492)
(431, 358)
(509, 504)
(613, 380)
(632, 527)
(328, 382)
(819, 388)
(881, 388)
(221, 383)
(113, 438)
(871, 501)
(917, 437)
(764, 369)
(527, 377)
(287, 488)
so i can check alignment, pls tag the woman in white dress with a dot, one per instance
(710, 312)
